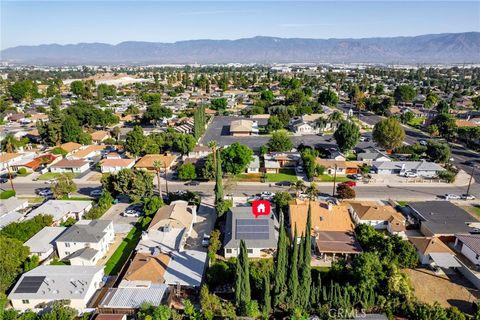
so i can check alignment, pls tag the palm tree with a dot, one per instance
(335, 117)
(298, 187)
(157, 164)
(312, 191)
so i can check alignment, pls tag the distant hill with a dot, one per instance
(433, 48)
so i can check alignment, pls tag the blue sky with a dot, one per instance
(63, 22)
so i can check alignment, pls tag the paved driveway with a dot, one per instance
(206, 217)
(121, 224)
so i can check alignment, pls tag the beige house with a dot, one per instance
(99, 136)
(147, 161)
(378, 216)
(241, 128)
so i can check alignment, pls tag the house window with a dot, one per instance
(67, 253)
(249, 250)
(67, 244)
(477, 256)
(229, 250)
(25, 301)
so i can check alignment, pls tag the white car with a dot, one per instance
(451, 196)
(468, 197)
(422, 142)
(131, 213)
(205, 240)
(410, 174)
(299, 169)
(51, 181)
(45, 193)
(96, 193)
(267, 195)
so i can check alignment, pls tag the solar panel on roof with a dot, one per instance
(252, 229)
(30, 284)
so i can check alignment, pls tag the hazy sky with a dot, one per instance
(43, 22)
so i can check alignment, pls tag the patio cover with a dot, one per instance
(444, 260)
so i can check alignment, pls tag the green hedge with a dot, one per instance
(7, 194)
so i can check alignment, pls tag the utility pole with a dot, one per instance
(334, 181)
(166, 180)
(470, 181)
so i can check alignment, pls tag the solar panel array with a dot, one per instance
(252, 229)
(30, 284)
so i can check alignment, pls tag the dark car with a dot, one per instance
(471, 163)
(283, 184)
(192, 183)
(3, 180)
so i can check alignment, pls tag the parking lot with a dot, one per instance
(121, 224)
(219, 130)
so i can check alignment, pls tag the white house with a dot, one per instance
(380, 217)
(260, 234)
(86, 242)
(46, 284)
(70, 166)
(42, 244)
(61, 210)
(469, 246)
(9, 210)
(199, 152)
(115, 165)
(254, 165)
(421, 168)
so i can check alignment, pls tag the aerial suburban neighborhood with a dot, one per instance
(320, 190)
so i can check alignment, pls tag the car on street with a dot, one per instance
(299, 169)
(467, 197)
(51, 181)
(283, 183)
(423, 142)
(3, 180)
(364, 139)
(356, 176)
(192, 183)
(96, 193)
(253, 198)
(351, 184)
(45, 193)
(410, 174)
(451, 196)
(205, 240)
(267, 195)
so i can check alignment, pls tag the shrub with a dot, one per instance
(7, 194)
(22, 171)
(448, 175)
(60, 151)
(345, 192)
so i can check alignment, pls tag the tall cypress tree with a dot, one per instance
(238, 282)
(242, 283)
(267, 299)
(306, 276)
(218, 179)
(293, 280)
(280, 287)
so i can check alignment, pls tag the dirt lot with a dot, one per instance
(448, 290)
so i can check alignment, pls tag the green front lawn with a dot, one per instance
(329, 178)
(54, 175)
(416, 122)
(283, 175)
(474, 210)
(120, 256)
(402, 203)
(22, 174)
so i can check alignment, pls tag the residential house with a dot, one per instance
(340, 167)
(169, 228)
(260, 234)
(421, 168)
(70, 166)
(337, 155)
(301, 127)
(71, 146)
(431, 250)
(6, 159)
(85, 242)
(40, 287)
(147, 162)
(372, 155)
(381, 217)
(61, 210)
(243, 127)
(469, 246)
(146, 268)
(440, 218)
(88, 153)
(186, 268)
(200, 152)
(115, 165)
(333, 243)
(9, 210)
(100, 136)
(39, 162)
(254, 165)
(275, 161)
(42, 244)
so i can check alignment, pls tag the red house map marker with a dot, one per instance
(260, 208)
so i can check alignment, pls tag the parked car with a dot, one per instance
(253, 198)
(45, 193)
(267, 195)
(3, 180)
(51, 181)
(364, 139)
(192, 183)
(350, 183)
(96, 193)
(451, 196)
(299, 169)
(131, 213)
(205, 240)
(467, 197)
(423, 142)
(356, 176)
(410, 174)
(283, 184)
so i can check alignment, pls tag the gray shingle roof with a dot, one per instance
(236, 213)
(85, 254)
(409, 165)
(442, 217)
(91, 231)
(470, 240)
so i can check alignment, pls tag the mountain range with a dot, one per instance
(431, 48)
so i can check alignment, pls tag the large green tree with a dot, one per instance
(236, 158)
(280, 141)
(281, 261)
(347, 135)
(404, 93)
(293, 283)
(388, 133)
(64, 186)
(242, 280)
(135, 141)
(438, 152)
(187, 172)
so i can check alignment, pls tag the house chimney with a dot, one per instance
(329, 206)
